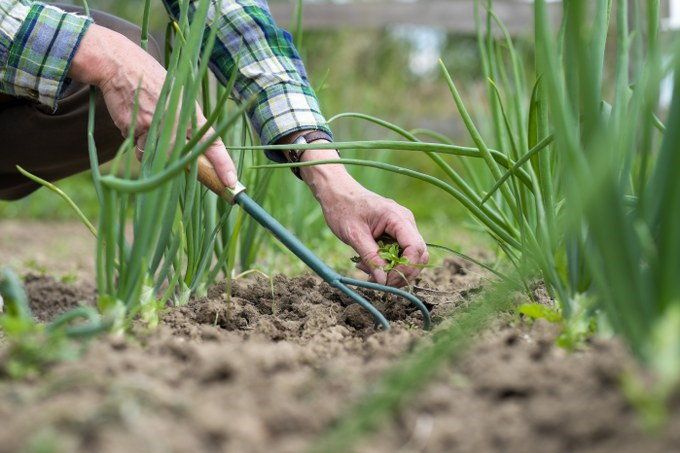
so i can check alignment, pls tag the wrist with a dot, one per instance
(94, 61)
(325, 180)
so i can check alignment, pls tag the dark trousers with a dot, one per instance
(53, 145)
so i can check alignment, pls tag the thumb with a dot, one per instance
(367, 248)
(218, 155)
(221, 161)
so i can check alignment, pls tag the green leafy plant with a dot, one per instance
(390, 252)
(576, 330)
(535, 311)
(32, 346)
(184, 236)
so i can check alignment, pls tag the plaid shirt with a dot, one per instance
(37, 44)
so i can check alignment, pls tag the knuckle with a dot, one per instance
(406, 213)
(394, 206)
(344, 233)
(351, 234)
(395, 216)
(390, 204)
(400, 211)
(371, 260)
(370, 256)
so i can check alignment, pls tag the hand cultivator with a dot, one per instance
(238, 195)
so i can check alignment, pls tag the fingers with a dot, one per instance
(218, 156)
(365, 269)
(402, 227)
(362, 267)
(371, 262)
(221, 161)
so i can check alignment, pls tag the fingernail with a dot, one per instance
(231, 178)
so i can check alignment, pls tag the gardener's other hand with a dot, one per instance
(358, 217)
(120, 68)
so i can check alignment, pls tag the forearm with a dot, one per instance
(321, 179)
(324, 178)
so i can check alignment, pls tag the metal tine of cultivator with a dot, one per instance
(396, 291)
(238, 195)
(379, 318)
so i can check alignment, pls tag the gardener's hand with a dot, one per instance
(358, 217)
(119, 68)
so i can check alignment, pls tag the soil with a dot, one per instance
(61, 249)
(274, 367)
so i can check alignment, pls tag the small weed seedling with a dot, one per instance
(390, 252)
(33, 346)
(575, 330)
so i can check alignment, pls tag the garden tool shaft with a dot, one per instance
(238, 195)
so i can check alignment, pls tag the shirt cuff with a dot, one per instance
(281, 109)
(40, 55)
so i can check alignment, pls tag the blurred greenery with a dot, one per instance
(44, 204)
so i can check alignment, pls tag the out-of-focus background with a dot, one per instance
(377, 57)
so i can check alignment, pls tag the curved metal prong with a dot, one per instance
(396, 291)
(380, 319)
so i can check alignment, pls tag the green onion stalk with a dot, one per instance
(577, 183)
(178, 246)
(598, 219)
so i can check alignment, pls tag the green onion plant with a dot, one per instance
(162, 236)
(598, 219)
(183, 236)
(577, 182)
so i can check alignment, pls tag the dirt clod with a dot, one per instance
(50, 298)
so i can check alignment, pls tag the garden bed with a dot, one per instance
(272, 373)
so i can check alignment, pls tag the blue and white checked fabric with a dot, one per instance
(269, 67)
(37, 43)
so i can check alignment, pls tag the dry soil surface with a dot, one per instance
(65, 250)
(275, 368)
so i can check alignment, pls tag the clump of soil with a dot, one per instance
(296, 310)
(272, 368)
(50, 298)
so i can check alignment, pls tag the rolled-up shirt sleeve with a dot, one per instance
(37, 44)
(270, 69)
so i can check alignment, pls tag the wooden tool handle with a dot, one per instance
(208, 177)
